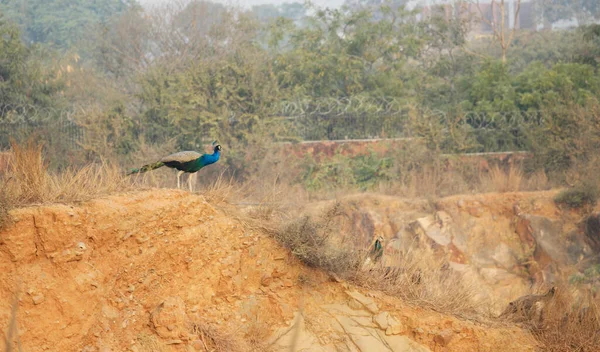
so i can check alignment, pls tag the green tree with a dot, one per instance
(539, 87)
(342, 53)
(61, 22)
(26, 82)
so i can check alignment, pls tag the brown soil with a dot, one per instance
(135, 272)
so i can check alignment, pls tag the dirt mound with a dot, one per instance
(164, 270)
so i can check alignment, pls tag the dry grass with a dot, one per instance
(222, 189)
(422, 279)
(5, 204)
(152, 343)
(28, 181)
(418, 277)
(499, 180)
(568, 323)
(215, 339)
(537, 181)
(257, 335)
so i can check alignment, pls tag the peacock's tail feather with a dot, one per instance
(148, 167)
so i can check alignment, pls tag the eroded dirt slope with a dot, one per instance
(143, 271)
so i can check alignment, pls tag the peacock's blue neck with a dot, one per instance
(211, 158)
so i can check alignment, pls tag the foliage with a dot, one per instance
(361, 171)
(64, 22)
(342, 53)
(578, 197)
(538, 87)
(26, 81)
(186, 74)
(583, 11)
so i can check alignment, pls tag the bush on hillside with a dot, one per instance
(578, 197)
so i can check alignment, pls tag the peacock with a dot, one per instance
(186, 161)
(375, 252)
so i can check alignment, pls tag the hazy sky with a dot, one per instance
(249, 3)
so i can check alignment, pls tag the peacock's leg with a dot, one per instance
(179, 179)
(190, 182)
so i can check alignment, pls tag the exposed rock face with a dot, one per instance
(505, 242)
(551, 235)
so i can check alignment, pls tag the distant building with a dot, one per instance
(482, 13)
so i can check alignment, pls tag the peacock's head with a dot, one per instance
(217, 148)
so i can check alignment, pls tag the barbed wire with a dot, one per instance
(338, 106)
(307, 119)
(10, 113)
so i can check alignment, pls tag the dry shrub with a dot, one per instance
(28, 181)
(29, 171)
(422, 279)
(5, 203)
(215, 339)
(314, 244)
(257, 335)
(569, 323)
(499, 180)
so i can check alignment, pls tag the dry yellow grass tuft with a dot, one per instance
(26, 180)
(499, 180)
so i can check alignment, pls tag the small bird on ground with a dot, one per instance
(186, 161)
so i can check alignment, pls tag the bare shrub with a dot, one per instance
(314, 244)
(568, 323)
